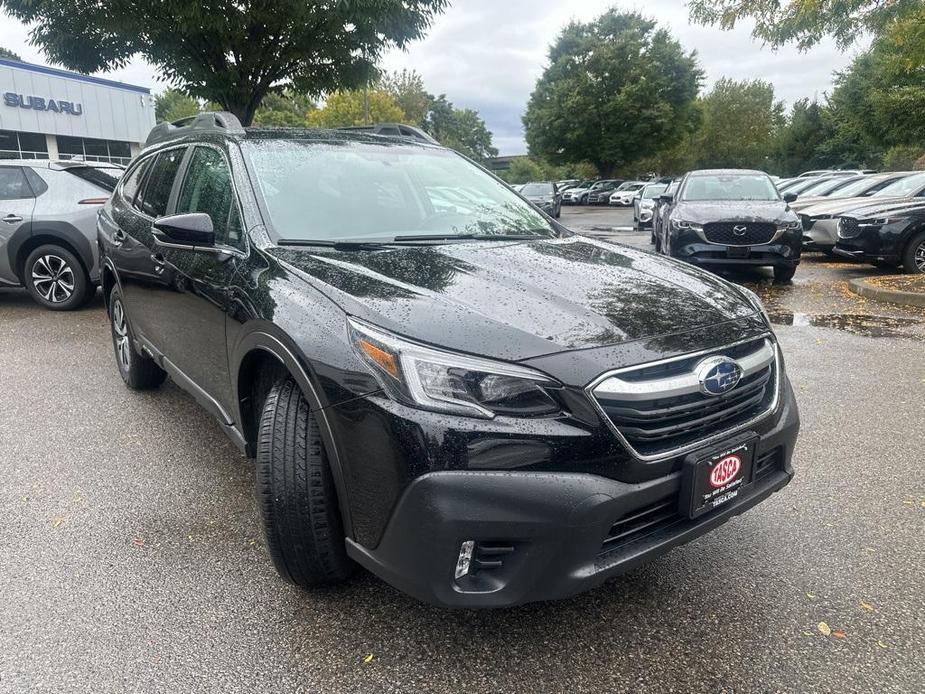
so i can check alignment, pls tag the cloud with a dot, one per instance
(488, 54)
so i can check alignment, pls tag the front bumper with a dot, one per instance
(546, 531)
(820, 234)
(881, 244)
(687, 245)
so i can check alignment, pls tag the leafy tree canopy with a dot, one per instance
(172, 104)
(343, 109)
(615, 88)
(232, 53)
(8, 54)
(459, 129)
(407, 88)
(804, 22)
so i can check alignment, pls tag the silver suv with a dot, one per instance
(48, 213)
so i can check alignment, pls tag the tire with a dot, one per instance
(914, 255)
(56, 279)
(295, 491)
(138, 371)
(783, 273)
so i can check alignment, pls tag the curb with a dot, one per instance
(892, 296)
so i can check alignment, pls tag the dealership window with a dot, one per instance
(90, 149)
(14, 145)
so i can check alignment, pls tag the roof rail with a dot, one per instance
(399, 130)
(210, 121)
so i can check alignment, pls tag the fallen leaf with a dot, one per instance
(138, 542)
(867, 606)
(882, 645)
(824, 629)
(839, 634)
(808, 633)
(57, 522)
(811, 596)
(368, 659)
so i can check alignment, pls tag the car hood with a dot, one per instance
(734, 211)
(521, 299)
(841, 205)
(888, 207)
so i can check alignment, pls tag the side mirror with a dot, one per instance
(666, 197)
(790, 197)
(193, 229)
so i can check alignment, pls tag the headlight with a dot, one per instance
(441, 381)
(755, 301)
(790, 226)
(883, 221)
(681, 225)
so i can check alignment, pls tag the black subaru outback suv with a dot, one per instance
(437, 381)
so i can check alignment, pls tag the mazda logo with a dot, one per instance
(739, 229)
(718, 375)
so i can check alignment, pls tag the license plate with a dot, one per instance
(715, 478)
(737, 251)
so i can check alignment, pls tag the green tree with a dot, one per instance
(524, 170)
(459, 129)
(805, 22)
(407, 88)
(800, 140)
(172, 104)
(285, 109)
(615, 89)
(902, 157)
(233, 53)
(741, 121)
(8, 54)
(347, 108)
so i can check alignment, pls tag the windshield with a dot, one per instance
(357, 190)
(732, 186)
(652, 192)
(827, 185)
(802, 186)
(856, 188)
(536, 189)
(903, 188)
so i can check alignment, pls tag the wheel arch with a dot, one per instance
(57, 234)
(258, 359)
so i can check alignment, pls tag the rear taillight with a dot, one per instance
(93, 201)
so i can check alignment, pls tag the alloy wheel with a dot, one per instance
(919, 257)
(120, 328)
(53, 278)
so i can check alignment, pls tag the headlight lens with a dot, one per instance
(681, 225)
(791, 226)
(441, 381)
(882, 221)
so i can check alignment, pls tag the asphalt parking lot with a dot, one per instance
(131, 558)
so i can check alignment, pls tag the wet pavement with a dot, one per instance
(131, 558)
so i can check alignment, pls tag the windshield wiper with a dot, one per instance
(412, 238)
(342, 245)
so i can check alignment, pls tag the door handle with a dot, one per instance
(12, 219)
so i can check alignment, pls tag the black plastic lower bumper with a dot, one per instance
(549, 535)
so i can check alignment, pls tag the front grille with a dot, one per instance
(739, 233)
(848, 227)
(660, 410)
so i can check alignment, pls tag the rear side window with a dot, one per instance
(13, 184)
(133, 180)
(103, 178)
(156, 194)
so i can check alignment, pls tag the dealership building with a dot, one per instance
(47, 113)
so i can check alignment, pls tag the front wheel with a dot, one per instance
(914, 255)
(56, 279)
(296, 494)
(783, 273)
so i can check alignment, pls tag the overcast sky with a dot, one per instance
(488, 54)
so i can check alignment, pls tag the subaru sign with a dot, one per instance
(38, 103)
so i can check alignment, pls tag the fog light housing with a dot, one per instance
(465, 558)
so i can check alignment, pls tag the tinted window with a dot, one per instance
(130, 186)
(904, 187)
(537, 189)
(653, 191)
(207, 188)
(157, 190)
(13, 185)
(104, 178)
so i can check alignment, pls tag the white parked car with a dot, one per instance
(626, 193)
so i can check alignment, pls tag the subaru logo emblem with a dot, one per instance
(718, 375)
(739, 229)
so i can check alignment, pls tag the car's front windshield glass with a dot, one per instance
(903, 187)
(652, 192)
(856, 188)
(536, 189)
(826, 185)
(348, 190)
(729, 187)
